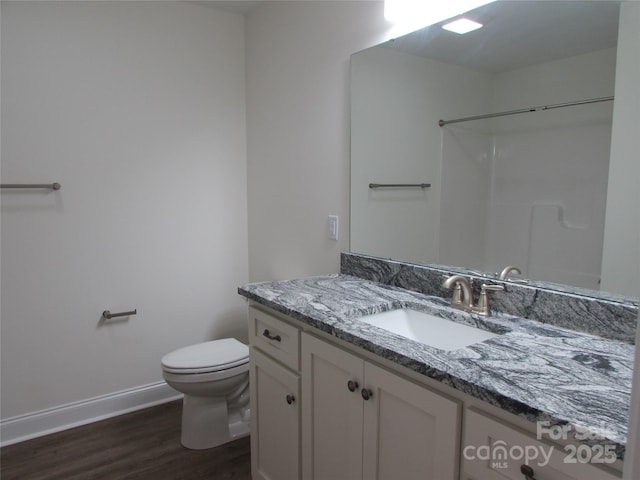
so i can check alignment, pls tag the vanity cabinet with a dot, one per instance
(495, 450)
(275, 397)
(322, 411)
(360, 421)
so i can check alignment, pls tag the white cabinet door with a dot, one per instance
(410, 432)
(331, 413)
(275, 420)
(493, 450)
(396, 430)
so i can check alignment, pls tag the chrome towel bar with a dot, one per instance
(108, 315)
(52, 186)
(399, 185)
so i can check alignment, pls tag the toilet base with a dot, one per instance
(207, 423)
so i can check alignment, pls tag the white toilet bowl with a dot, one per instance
(214, 378)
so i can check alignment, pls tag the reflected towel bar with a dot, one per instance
(108, 315)
(52, 186)
(399, 185)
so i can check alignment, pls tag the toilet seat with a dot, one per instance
(207, 357)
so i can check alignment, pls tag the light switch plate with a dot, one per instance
(334, 227)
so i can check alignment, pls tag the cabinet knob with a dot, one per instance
(366, 393)
(267, 334)
(290, 399)
(352, 385)
(527, 471)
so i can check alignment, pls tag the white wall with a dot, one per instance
(623, 225)
(621, 252)
(467, 156)
(397, 100)
(298, 130)
(590, 75)
(138, 110)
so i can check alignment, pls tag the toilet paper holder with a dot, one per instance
(108, 315)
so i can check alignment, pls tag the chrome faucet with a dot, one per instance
(508, 269)
(463, 295)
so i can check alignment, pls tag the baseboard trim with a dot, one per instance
(44, 422)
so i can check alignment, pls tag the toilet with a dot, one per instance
(214, 378)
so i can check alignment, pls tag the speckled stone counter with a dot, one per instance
(598, 313)
(535, 370)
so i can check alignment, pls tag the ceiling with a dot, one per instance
(516, 33)
(519, 33)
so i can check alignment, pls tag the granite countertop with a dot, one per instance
(538, 371)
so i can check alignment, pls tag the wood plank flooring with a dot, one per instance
(143, 445)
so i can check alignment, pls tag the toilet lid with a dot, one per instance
(208, 356)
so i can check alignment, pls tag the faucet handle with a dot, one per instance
(490, 287)
(483, 301)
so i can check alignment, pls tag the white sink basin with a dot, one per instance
(428, 329)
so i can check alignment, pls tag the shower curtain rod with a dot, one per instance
(442, 123)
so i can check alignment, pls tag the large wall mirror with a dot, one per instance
(526, 189)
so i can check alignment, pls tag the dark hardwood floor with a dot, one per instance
(140, 445)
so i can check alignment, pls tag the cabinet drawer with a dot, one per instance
(493, 450)
(275, 338)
